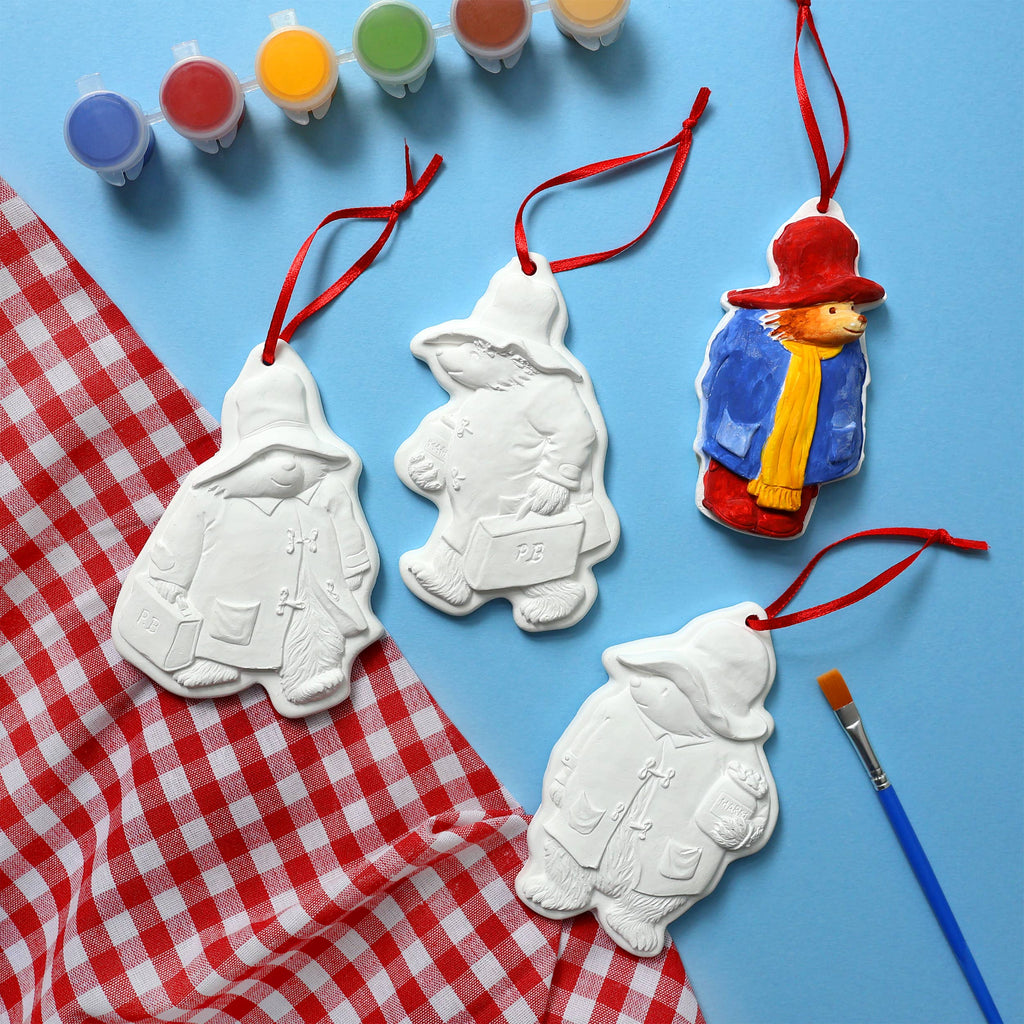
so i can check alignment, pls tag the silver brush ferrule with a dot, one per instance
(849, 719)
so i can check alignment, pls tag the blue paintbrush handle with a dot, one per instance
(933, 891)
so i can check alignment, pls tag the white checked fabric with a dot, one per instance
(210, 861)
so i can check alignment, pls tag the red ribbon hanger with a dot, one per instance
(413, 190)
(774, 620)
(829, 179)
(681, 141)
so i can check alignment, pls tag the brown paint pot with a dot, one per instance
(492, 32)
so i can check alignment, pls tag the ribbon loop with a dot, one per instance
(829, 179)
(413, 190)
(773, 620)
(680, 142)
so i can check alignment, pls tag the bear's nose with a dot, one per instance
(862, 319)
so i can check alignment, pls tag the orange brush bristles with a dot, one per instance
(834, 687)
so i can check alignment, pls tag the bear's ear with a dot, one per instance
(660, 664)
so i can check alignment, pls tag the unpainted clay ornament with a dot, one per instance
(261, 569)
(659, 783)
(783, 385)
(514, 461)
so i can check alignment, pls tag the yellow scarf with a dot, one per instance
(784, 456)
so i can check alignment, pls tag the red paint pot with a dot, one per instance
(202, 99)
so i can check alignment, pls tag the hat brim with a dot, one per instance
(859, 290)
(543, 357)
(297, 439)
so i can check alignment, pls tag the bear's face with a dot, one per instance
(829, 324)
(477, 365)
(665, 704)
(276, 473)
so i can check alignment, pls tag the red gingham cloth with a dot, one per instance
(210, 861)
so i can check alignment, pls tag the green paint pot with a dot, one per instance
(394, 44)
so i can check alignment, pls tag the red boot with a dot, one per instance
(727, 497)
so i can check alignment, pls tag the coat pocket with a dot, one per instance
(843, 444)
(583, 816)
(232, 622)
(679, 862)
(735, 437)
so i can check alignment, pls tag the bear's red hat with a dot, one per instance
(816, 259)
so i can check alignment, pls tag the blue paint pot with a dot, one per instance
(108, 133)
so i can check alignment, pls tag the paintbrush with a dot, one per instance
(838, 695)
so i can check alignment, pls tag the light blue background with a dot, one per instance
(826, 924)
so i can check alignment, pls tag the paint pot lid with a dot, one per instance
(393, 42)
(106, 131)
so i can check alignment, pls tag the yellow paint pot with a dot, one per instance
(297, 68)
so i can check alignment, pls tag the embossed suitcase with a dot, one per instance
(519, 551)
(163, 632)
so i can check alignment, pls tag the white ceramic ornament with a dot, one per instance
(660, 781)
(514, 461)
(260, 570)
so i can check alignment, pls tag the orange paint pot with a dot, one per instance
(592, 23)
(297, 68)
(492, 32)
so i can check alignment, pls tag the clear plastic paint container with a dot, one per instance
(202, 99)
(492, 32)
(394, 43)
(107, 132)
(592, 23)
(296, 68)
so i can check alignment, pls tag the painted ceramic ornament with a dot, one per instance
(783, 385)
(659, 783)
(261, 569)
(514, 461)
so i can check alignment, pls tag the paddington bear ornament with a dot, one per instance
(514, 461)
(783, 384)
(659, 783)
(260, 570)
